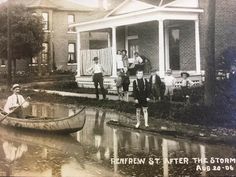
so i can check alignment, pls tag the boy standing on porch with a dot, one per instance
(97, 71)
(141, 92)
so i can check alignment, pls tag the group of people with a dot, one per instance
(122, 62)
(144, 90)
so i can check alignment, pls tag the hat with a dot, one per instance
(187, 74)
(15, 86)
(169, 71)
(154, 70)
(95, 58)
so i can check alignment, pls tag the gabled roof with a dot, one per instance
(42, 4)
(70, 5)
(129, 6)
(183, 3)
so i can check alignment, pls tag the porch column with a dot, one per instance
(78, 54)
(114, 49)
(197, 45)
(161, 49)
(167, 48)
(109, 39)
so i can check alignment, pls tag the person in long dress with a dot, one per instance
(155, 85)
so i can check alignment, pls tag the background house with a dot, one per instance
(135, 26)
(59, 51)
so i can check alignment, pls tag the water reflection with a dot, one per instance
(13, 151)
(89, 152)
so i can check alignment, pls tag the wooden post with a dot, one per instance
(161, 49)
(167, 48)
(78, 54)
(114, 50)
(210, 76)
(165, 157)
(197, 45)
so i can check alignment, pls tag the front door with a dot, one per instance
(133, 47)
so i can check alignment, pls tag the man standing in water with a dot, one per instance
(15, 103)
(97, 71)
(141, 91)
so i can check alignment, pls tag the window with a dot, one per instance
(174, 50)
(71, 20)
(71, 53)
(45, 21)
(45, 53)
(34, 60)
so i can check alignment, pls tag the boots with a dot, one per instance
(145, 115)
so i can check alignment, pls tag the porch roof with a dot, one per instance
(122, 15)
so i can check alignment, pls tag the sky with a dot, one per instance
(94, 3)
(2, 1)
(90, 3)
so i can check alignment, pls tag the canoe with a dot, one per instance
(64, 125)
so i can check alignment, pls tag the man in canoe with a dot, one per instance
(15, 103)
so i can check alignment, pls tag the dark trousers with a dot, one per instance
(98, 79)
(156, 92)
(18, 113)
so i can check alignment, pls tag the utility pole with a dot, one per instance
(9, 48)
(210, 76)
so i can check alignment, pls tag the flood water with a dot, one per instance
(100, 150)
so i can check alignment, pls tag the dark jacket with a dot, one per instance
(157, 81)
(141, 89)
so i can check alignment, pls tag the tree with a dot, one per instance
(210, 76)
(26, 36)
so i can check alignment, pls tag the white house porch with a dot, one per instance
(133, 12)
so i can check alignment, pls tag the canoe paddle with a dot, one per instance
(28, 98)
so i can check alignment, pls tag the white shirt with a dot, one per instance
(138, 60)
(12, 102)
(96, 68)
(119, 62)
(153, 79)
(169, 80)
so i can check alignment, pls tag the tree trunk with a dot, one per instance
(40, 64)
(210, 76)
(9, 49)
(14, 70)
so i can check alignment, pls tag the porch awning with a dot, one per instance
(145, 13)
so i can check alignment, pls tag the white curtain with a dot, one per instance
(105, 58)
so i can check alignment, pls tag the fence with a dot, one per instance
(105, 58)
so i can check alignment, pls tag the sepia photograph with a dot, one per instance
(118, 88)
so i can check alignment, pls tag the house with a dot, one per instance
(59, 45)
(170, 33)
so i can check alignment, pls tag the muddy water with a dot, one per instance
(100, 150)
